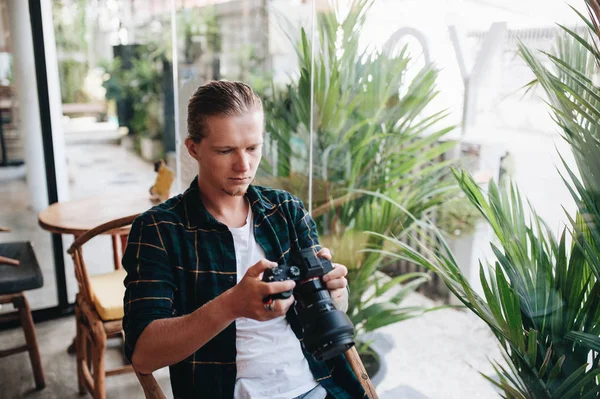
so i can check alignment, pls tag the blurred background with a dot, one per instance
(368, 103)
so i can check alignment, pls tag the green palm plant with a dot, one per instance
(364, 106)
(541, 297)
(536, 294)
(570, 82)
(378, 134)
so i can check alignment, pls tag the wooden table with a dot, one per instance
(78, 216)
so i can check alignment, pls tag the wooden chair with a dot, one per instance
(98, 312)
(119, 242)
(19, 272)
(153, 391)
(93, 330)
(150, 386)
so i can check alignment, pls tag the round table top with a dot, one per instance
(78, 216)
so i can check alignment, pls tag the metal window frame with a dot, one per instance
(64, 307)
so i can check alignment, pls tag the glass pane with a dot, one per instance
(381, 146)
(22, 175)
(18, 214)
(115, 70)
(395, 83)
(248, 41)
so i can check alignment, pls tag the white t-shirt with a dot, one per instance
(270, 362)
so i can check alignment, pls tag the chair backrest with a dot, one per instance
(150, 386)
(76, 251)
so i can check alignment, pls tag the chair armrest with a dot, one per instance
(150, 386)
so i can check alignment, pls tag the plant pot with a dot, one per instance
(374, 358)
(150, 149)
(469, 250)
(372, 363)
(128, 142)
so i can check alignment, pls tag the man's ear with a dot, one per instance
(191, 147)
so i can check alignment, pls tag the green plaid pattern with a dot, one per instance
(179, 257)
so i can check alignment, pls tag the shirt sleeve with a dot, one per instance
(149, 284)
(306, 229)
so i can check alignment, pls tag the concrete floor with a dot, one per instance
(54, 337)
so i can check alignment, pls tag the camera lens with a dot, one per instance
(328, 332)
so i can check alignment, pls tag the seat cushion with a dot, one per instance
(107, 294)
(26, 276)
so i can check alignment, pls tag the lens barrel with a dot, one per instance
(328, 331)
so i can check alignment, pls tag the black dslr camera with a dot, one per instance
(328, 332)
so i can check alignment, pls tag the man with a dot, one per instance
(194, 295)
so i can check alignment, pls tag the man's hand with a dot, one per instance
(249, 293)
(336, 281)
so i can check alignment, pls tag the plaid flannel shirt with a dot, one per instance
(179, 257)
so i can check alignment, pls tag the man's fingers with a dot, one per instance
(337, 283)
(258, 268)
(324, 253)
(337, 293)
(281, 306)
(337, 272)
(276, 308)
(278, 287)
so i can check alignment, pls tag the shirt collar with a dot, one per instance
(198, 215)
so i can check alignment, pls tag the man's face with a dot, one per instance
(229, 154)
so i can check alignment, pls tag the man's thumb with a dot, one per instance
(260, 267)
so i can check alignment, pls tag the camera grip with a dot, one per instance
(273, 274)
(281, 295)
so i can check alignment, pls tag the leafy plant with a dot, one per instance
(542, 295)
(570, 83)
(113, 78)
(537, 293)
(142, 84)
(72, 76)
(457, 217)
(145, 87)
(195, 24)
(376, 131)
(70, 25)
(71, 44)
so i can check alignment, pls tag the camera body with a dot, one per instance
(328, 331)
(307, 266)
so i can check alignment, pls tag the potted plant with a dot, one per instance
(380, 140)
(150, 128)
(141, 84)
(542, 294)
(144, 86)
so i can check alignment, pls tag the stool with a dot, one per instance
(14, 280)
